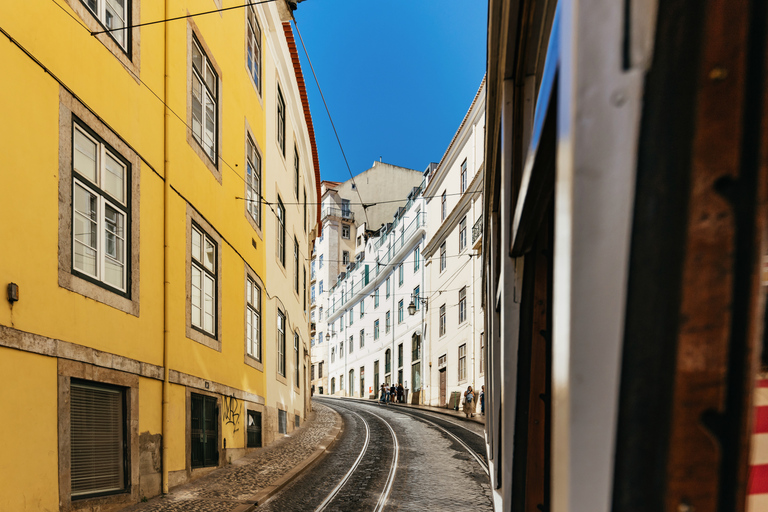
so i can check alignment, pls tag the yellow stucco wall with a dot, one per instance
(29, 465)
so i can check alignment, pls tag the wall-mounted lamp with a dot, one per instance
(13, 292)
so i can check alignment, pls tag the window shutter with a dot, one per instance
(97, 439)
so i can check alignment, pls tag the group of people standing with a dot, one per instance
(470, 401)
(392, 393)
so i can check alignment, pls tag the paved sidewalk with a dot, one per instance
(477, 418)
(255, 477)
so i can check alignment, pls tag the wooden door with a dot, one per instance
(204, 431)
(442, 388)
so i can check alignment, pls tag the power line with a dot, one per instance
(311, 67)
(109, 30)
(368, 204)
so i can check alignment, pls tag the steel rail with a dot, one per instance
(393, 468)
(346, 477)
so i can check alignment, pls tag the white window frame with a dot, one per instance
(253, 51)
(400, 311)
(362, 338)
(280, 231)
(206, 272)
(462, 362)
(443, 207)
(253, 181)
(118, 33)
(400, 275)
(281, 343)
(463, 234)
(280, 120)
(416, 258)
(296, 170)
(345, 231)
(463, 305)
(442, 325)
(101, 200)
(208, 102)
(463, 179)
(443, 257)
(376, 330)
(253, 319)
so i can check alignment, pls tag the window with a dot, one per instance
(98, 441)
(345, 211)
(442, 320)
(333, 385)
(416, 301)
(362, 338)
(400, 355)
(443, 206)
(254, 48)
(351, 344)
(280, 231)
(441, 360)
(333, 354)
(362, 308)
(253, 181)
(280, 121)
(462, 304)
(296, 264)
(376, 377)
(416, 258)
(341, 382)
(320, 262)
(415, 347)
(387, 287)
(296, 358)
(345, 231)
(203, 273)
(375, 330)
(305, 209)
(320, 370)
(296, 168)
(400, 275)
(359, 240)
(205, 100)
(351, 382)
(114, 16)
(99, 211)
(312, 293)
(282, 422)
(442, 257)
(463, 362)
(280, 343)
(312, 373)
(387, 361)
(351, 315)
(320, 337)
(252, 319)
(304, 287)
(341, 348)
(463, 184)
(387, 322)
(375, 298)
(320, 287)
(345, 257)
(400, 311)
(462, 234)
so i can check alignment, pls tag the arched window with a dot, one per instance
(388, 361)
(333, 385)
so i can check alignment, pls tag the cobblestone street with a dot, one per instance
(235, 487)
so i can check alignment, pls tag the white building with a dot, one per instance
(453, 267)
(384, 188)
(371, 337)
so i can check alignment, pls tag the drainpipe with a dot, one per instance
(166, 267)
(425, 355)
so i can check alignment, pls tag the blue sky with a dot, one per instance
(398, 77)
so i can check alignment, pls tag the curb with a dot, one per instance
(325, 445)
(437, 410)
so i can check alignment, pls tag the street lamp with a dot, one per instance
(327, 336)
(412, 305)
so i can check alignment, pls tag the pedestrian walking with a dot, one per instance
(400, 392)
(482, 400)
(469, 402)
(382, 396)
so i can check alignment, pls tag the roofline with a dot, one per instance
(307, 114)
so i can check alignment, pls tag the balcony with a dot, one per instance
(346, 215)
(477, 229)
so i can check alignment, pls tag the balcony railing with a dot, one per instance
(329, 211)
(477, 229)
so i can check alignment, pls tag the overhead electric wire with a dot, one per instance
(311, 67)
(107, 31)
(368, 204)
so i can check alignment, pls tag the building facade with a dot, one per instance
(139, 304)
(372, 338)
(454, 341)
(345, 232)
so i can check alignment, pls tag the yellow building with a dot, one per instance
(152, 329)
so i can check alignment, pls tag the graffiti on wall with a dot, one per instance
(232, 412)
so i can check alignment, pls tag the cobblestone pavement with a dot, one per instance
(434, 473)
(233, 486)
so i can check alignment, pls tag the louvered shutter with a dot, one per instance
(97, 429)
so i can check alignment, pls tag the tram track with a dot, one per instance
(383, 496)
(475, 446)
